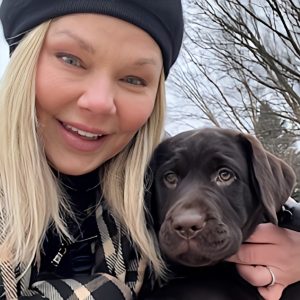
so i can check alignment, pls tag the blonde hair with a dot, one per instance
(30, 199)
(124, 185)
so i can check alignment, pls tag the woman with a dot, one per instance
(81, 107)
(81, 110)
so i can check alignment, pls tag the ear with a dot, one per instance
(157, 158)
(274, 178)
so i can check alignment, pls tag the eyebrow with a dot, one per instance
(82, 43)
(145, 61)
(88, 47)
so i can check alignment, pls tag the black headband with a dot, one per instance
(162, 19)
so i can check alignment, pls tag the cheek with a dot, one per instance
(135, 115)
(44, 86)
(51, 89)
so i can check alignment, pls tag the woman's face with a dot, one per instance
(96, 84)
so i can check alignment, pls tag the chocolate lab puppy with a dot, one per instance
(211, 188)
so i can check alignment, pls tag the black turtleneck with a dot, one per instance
(82, 191)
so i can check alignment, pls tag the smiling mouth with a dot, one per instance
(81, 133)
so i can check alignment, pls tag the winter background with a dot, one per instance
(3, 52)
(239, 67)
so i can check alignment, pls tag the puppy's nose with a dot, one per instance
(188, 225)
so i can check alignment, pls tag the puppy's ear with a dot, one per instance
(274, 178)
(158, 157)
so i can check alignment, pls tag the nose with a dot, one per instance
(98, 96)
(188, 224)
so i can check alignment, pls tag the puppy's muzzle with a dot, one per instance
(188, 224)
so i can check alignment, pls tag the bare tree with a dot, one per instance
(238, 54)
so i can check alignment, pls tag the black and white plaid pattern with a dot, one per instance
(118, 273)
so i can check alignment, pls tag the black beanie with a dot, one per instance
(162, 19)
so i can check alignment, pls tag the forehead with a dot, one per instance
(94, 28)
(210, 148)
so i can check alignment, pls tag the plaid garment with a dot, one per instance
(118, 273)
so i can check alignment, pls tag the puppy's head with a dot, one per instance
(211, 188)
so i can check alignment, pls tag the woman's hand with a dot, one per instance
(274, 247)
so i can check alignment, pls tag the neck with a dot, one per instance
(83, 183)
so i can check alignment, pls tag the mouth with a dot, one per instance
(86, 135)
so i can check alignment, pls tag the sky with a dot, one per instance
(3, 52)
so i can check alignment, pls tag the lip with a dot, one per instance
(78, 143)
(84, 127)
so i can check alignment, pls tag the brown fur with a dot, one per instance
(201, 220)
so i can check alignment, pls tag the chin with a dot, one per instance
(74, 169)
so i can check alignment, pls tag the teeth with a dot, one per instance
(83, 133)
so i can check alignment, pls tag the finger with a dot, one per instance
(258, 276)
(254, 254)
(271, 293)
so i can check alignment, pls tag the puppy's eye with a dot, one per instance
(225, 176)
(171, 180)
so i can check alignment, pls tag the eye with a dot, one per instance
(170, 180)
(69, 59)
(225, 176)
(134, 80)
